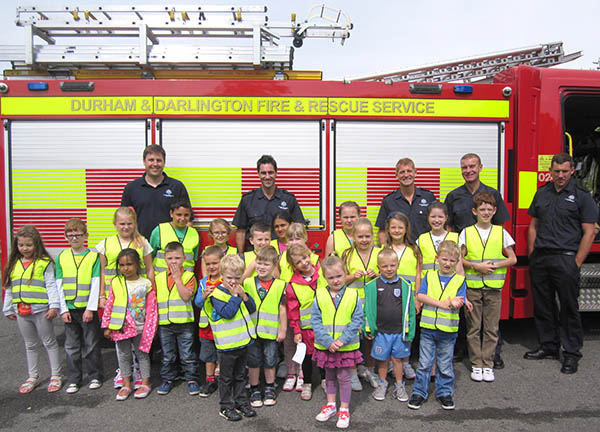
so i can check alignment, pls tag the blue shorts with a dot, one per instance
(262, 352)
(389, 344)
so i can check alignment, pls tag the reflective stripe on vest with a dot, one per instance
(233, 333)
(112, 249)
(341, 242)
(266, 316)
(28, 284)
(171, 307)
(121, 297)
(76, 286)
(335, 319)
(407, 266)
(354, 262)
(429, 252)
(477, 253)
(286, 269)
(437, 318)
(191, 240)
(305, 295)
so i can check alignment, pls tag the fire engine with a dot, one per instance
(76, 118)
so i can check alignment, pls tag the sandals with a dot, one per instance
(29, 385)
(142, 392)
(123, 393)
(55, 384)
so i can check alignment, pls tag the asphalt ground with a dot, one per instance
(526, 396)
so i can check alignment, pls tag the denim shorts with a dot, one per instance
(389, 344)
(262, 352)
(208, 351)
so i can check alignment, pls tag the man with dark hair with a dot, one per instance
(152, 194)
(263, 203)
(560, 235)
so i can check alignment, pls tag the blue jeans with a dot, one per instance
(436, 345)
(172, 338)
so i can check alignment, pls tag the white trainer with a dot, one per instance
(477, 374)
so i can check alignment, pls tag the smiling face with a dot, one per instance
(388, 267)
(396, 230)
(280, 227)
(264, 269)
(212, 266)
(154, 164)
(470, 169)
(260, 239)
(302, 264)
(437, 219)
(363, 236)
(181, 217)
(125, 226)
(267, 175)
(485, 212)
(76, 239)
(405, 173)
(219, 233)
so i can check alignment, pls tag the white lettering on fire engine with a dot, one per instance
(104, 105)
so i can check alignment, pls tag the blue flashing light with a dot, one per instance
(37, 86)
(465, 89)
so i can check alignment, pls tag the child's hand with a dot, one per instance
(358, 274)
(66, 317)
(298, 338)
(457, 302)
(371, 273)
(469, 305)
(418, 306)
(108, 333)
(368, 336)
(335, 345)
(102, 302)
(487, 267)
(281, 335)
(51, 314)
(208, 291)
(175, 271)
(88, 316)
(12, 317)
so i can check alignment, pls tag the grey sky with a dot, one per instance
(391, 35)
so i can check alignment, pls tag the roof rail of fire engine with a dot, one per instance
(480, 68)
(169, 37)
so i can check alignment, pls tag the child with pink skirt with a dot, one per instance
(337, 317)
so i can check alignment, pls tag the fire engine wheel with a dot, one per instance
(297, 42)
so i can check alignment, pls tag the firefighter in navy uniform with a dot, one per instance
(261, 205)
(560, 235)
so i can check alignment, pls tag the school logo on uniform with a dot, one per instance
(283, 205)
(570, 198)
(378, 349)
(168, 193)
(397, 292)
(423, 202)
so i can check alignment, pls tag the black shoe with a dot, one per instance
(270, 395)
(498, 362)
(541, 354)
(230, 414)
(447, 402)
(569, 365)
(208, 388)
(459, 355)
(246, 410)
(415, 401)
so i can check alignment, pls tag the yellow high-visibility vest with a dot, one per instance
(230, 333)
(28, 284)
(191, 240)
(77, 279)
(266, 316)
(171, 307)
(336, 318)
(477, 253)
(437, 318)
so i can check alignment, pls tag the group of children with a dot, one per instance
(360, 308)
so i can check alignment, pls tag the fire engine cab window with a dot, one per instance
(582, 122)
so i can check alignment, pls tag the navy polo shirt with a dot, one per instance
(256, 207)
(416, 211)
(153, 204)
(560, 215)
(460, 205)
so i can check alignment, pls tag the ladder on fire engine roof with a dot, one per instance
(479, 68)
(169, 37)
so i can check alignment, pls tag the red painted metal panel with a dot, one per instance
(104, 187)
(49, 222)
(382, 181)
(302, 182)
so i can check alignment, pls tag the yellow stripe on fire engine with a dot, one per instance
(527, 188)
(48, 188)
(256, 106)
(100, 224)
(206, 189)
(350, 185)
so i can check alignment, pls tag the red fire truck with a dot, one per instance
(70, 145)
